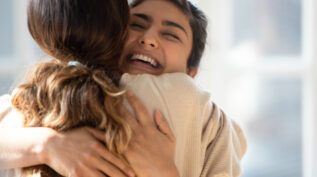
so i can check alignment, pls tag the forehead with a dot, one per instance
(160, 10)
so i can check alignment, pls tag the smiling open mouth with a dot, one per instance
(145, 59)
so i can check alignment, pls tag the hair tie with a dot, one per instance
(74, 63)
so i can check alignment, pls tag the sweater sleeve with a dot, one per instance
(225, 145)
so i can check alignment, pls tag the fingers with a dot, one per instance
(113, 161)
(113, 165)
(163, 125)
(97, 167)
(111, 170)
(100, 135)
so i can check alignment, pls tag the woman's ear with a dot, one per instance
(192, 72)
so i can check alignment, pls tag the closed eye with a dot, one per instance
(137, 26)
(172, 35)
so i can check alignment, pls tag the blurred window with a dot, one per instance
(6, 30)
(260, 71)
(272, 26)
(6, 44)
(271, 110)
(265, 33)
(17, 48)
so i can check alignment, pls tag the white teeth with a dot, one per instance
(144, 58)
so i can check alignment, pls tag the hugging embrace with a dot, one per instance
(117, 97)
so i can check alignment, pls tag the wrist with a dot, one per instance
(42, 149)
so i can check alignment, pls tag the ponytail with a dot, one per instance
(63, 97)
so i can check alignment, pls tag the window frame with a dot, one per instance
(310, 88)
(305, 68)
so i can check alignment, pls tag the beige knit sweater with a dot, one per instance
(209, 144)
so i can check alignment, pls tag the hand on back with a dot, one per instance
(151, 151)
(80, 153)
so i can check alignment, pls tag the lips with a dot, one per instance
(144, 59)
(140, 62)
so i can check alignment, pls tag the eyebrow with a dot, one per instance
(173, 24)
(143, 16)
(165, 22)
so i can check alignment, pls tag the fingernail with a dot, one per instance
(131, 173)
(158, 113)
(130, 94)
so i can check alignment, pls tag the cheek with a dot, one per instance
(177, 58)
(132, 37)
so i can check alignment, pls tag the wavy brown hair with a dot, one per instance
(62, 96)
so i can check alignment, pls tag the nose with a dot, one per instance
(148, 41)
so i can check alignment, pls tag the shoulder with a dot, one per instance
(177, 92)
(176, 87)
(164, 79)
(171, 83)
(221, 128)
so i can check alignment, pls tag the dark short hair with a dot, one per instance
(198, 23)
